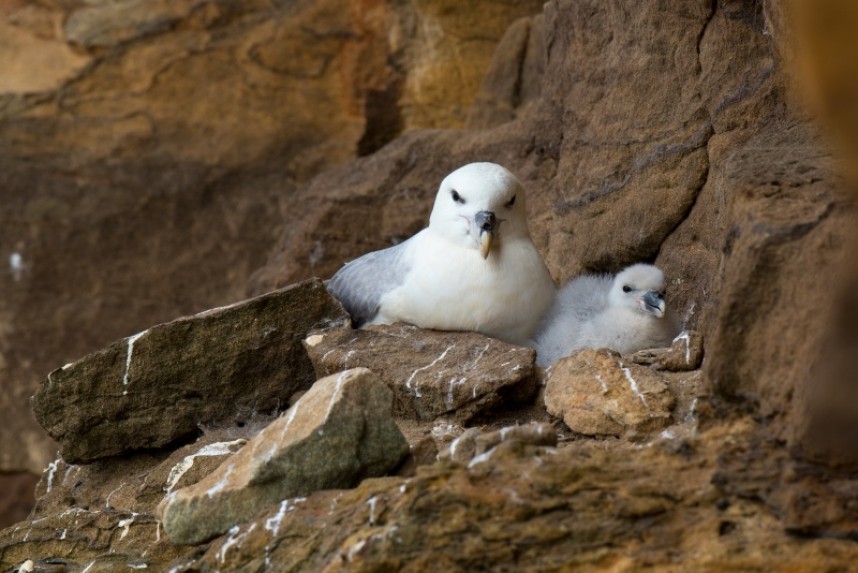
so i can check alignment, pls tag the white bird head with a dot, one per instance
(640, 288)
(480, 205)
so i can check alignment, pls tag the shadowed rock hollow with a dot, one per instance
(176, 156)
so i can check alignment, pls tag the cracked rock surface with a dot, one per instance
(431, 373)
(595, 394)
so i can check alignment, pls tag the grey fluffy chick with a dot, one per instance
(625, 313)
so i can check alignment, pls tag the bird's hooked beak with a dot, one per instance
(653, 303)
(485, 226)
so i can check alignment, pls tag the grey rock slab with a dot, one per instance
(684, 354)
(134, 483)
(596, 394)
(431, 373)
(475, 444)
(221, 366)
(92, 540)
(340, 432)
(110, 23)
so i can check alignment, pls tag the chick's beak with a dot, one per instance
(653, 303)
(486, 225)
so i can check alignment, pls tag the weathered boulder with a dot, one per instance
(338, 433)
(581, 506)
(587, 502)
(431, 373)
(224, 366)
(108, 506)
(596, 394)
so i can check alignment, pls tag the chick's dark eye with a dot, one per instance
(511, 202)
(456, 197)
(627, 288)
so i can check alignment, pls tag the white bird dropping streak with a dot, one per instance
(131, 341)
(634, 386)
(371, 502)
(480, 355)
(272, 524)
(338, 387)
(233, 540)
(482, 458)
(221, 485)
(125, 525)
(415, 389)
(52, 469)
(450, 398)
(692, 411)
(215, 449)
(684, 336)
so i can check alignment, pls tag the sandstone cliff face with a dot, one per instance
(653, 131)
(149, 150)
(711, 171)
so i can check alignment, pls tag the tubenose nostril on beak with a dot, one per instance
(486, 220)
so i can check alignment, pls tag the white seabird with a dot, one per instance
(625, 313)
(474, 267)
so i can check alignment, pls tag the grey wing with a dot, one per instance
(585, 296)
(577, 302)
(361, 283)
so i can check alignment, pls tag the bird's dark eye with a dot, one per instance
(456, 197)
(627, 288)
(511, 202)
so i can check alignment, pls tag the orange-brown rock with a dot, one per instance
(663, 132)
(432, 373)
(588, 507)
(711, 171)
(148, 150)
(596, 394)
(685, 353)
